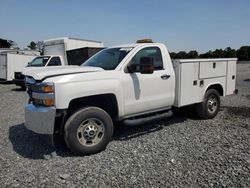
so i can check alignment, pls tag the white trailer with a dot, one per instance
(14, 61)
(71, 51)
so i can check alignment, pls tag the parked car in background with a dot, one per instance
(61, 52)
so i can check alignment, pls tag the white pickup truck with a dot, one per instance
(61, 52)
(132, 84)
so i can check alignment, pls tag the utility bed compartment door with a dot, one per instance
(3, 66)
(187, 88)
(231, 77)
(190, 90)
(212, 69)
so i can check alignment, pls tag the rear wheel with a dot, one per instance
(209, 108)
(88, 131)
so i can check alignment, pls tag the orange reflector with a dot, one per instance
(144, 41)
(48, 89)
(48, 102)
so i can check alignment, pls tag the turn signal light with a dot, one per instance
(48, 102)
(48, 88)
(44, 102)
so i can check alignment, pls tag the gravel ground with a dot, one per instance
(180, 152)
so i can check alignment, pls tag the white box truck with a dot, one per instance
(62, 52)
(12, 61)
(132, 84)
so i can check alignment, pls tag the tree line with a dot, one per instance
(4, 43)
(243, 54)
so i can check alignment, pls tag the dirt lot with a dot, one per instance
(181, 152)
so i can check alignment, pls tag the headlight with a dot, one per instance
(29, 80)
(43, 94)
(43, 87)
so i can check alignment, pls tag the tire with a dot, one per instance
(210, 106)
(88, 131)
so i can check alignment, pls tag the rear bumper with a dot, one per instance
(40, 120)
(18, 82)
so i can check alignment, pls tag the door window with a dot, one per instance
(152, 52)
(55, 61)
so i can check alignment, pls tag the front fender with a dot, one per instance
(66, 92)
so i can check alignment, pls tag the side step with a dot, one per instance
(143, 120)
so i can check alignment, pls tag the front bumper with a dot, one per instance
(40, 120)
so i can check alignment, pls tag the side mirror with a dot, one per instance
(28, 64)
(131, 68)
(146, 65)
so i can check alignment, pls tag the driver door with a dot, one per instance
(147, 92)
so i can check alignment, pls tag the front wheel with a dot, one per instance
(210, 106)
(88, 131)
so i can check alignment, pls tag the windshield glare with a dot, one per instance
(39, 61)
(108, 59)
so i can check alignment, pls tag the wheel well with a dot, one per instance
(217, 87)
(107, 102)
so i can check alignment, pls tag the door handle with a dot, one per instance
(165, 76)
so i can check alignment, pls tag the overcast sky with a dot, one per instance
(181, 24)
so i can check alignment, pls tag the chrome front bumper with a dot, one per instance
(40, 119)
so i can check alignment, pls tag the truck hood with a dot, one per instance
(45, 72)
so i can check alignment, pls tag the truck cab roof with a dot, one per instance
(132, 45)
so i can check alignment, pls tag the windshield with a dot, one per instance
(39, 61)
(108, 59)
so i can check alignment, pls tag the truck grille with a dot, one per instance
(29, 85)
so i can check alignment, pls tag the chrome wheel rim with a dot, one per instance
(90, 132)
(212, 104)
